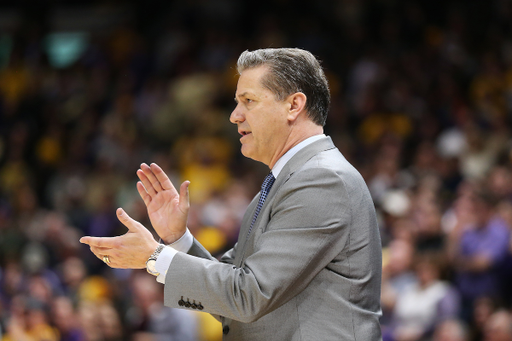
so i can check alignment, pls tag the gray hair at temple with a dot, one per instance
(292, 70)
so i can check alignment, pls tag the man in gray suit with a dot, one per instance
(307, 264)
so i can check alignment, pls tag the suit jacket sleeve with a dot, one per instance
(306, 230)
(198, 250)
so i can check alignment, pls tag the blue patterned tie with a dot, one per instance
(265, 188)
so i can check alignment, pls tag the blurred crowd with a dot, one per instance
(421, 105)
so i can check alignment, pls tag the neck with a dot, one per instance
(294, 138)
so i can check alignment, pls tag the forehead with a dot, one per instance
(250, 81)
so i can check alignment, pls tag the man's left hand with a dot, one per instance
(129, 251)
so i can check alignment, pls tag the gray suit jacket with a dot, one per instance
(309, 270)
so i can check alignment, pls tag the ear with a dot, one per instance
(296, 105)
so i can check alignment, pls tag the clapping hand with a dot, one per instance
(129, 251)
(167, 209)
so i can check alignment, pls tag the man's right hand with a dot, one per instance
(167, 209)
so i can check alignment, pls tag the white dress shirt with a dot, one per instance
(185, 242)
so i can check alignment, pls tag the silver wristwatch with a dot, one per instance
(151, 262)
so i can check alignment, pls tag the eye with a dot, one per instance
(248, 100)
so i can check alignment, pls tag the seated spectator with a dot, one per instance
(100, 321)
(396, 276)
(29, 322)
(424, 304)
(148, 314)
(65, 318)
(478, 249)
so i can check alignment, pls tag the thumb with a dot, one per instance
(184, 196)
(127, 221)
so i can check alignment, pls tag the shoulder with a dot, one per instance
(330, 169)
(322, 172)
(325, 176)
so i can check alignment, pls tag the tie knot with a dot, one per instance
(268, 182)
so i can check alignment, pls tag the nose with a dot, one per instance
(237, 115)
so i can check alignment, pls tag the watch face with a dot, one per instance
(150, 266)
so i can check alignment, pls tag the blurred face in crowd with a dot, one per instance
(261, 119)
(400, 257)
(483, 308)
(482, 212)
(498, 327)
(427, 273)
(449, 330)
(63, 313)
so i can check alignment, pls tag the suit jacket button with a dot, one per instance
(181, 303)
(187, 304)
(200, 306)
(225, 330)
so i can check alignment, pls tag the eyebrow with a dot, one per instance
(244, 94)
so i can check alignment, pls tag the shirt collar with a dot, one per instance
(278, 167)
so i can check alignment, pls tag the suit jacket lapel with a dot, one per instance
(297, 161)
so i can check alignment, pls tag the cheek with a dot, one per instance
(267, 124)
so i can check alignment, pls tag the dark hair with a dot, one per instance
(292, 70)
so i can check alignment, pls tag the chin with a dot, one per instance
(249, 154)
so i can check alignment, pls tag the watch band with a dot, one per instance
(155, 254)
(154, 257)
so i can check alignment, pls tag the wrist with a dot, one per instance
(172, 238)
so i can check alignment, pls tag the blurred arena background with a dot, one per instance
(421, 105)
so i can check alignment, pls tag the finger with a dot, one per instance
(97, 253)
(103, 251)
(146, 183)
(151, 176)
(100, 253)
(184, 196)
(132, 224)
(162, 177)
(143, 194)
(105, 242)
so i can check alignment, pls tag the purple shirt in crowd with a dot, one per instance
(492, 241)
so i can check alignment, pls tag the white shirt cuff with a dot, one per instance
(163, 262)
(164, 259)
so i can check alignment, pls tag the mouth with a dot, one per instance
(244, 132)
